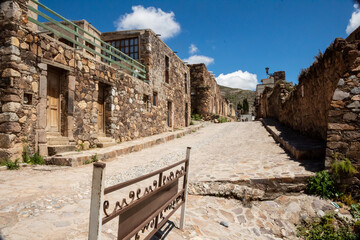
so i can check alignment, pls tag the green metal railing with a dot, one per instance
(112, 55)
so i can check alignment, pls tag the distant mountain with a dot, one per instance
(236, 95)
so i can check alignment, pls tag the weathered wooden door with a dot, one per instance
(169, 114)
(101, 110)
(53, 101)
(186, 115)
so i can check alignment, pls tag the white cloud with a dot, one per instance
(238, 79)
(156, 19)
(199, 59)
(193, 49)
(354, 21)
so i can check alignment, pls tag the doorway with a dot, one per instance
(169, 113)
(53, 116)
(101, 110)
(186, 115)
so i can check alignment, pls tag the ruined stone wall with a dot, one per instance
(343, 134)
(326, 103)
(27, 58)
(306, 108)
(206, 98)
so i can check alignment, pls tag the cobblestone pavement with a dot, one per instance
(53, 202)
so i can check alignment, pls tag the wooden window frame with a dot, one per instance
(155, 99)
(130, 43)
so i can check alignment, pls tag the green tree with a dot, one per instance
(239, 106)
(245, 106)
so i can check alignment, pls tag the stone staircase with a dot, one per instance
(59, 144)
(105, 142)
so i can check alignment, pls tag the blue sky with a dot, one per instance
(235, 36)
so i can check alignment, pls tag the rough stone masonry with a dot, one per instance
(326, 102)
(53, 94)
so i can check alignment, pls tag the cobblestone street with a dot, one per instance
(53, 202)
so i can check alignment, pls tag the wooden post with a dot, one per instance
(185, 185)
(97, 198)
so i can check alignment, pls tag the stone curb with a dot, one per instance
(105, 154)
(295, 151)
(253, 189)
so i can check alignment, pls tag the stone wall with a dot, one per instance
(27, 60)
(152, 54)
(306, 108)
(206, 98)
(326, 102)
(343, 134)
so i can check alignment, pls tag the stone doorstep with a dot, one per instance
(310, 150)
(76, 159)
(252, 189)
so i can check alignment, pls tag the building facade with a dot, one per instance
(56, 96)
(206, 98)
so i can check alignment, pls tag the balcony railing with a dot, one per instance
(107, 52)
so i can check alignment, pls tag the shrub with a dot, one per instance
(357, 228)
(347, 199)
(25, 155)
(222, 119)
(196, 117)
(191, 122)
(94, 158)
(322, 184)
(36, 159)
(10, 165)
(326, 228)
(355, 211)
(342, 167)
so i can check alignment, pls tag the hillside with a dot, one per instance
(236, 95)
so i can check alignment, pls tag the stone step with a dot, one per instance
(105, 144)
(106, 139)
(58, 141)
(56, 149)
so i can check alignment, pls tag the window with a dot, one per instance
(67, 42)
(167, 66)
(154, 98)
(129, 46)
(91, 46)
(27, 99)
(146, 100)
(186, 84)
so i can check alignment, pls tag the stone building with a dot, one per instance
(206, 98)
(260, 88)
(55, 96)
(326, 102)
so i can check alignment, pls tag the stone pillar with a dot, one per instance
(10, 17)
(41, 112)
(70, 104)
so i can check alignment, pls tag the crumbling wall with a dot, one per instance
(326, 103)
(206, 98)
(306, 108)
(343, 134)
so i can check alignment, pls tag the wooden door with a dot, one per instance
(53, 102)
(101, 110)
(186, 115)
(169, 114)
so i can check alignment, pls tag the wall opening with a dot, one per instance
(169, 113)
(56, 114)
